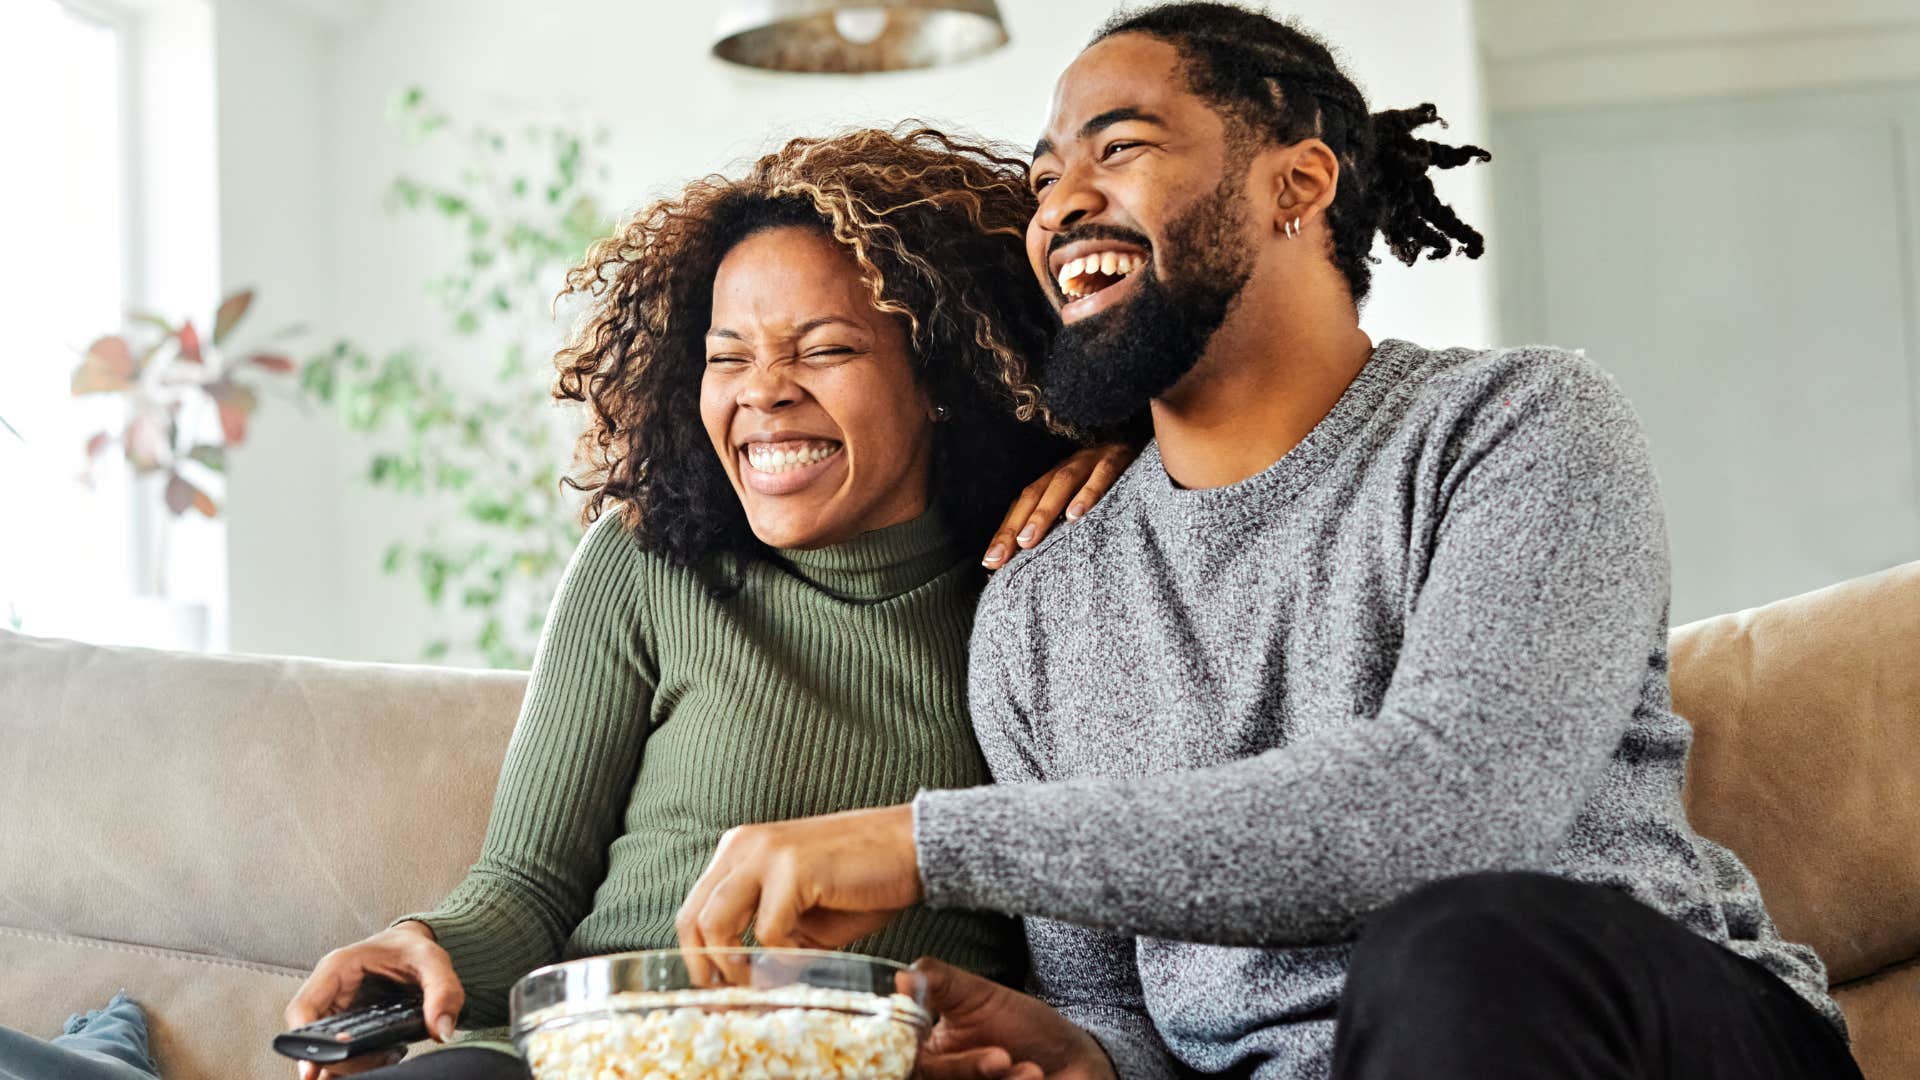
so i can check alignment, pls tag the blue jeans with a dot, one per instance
(105, 1044)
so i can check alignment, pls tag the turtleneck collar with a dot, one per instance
(878, 565)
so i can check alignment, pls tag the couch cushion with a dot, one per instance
(1806, 760)
(209, 1018)
(259, 808)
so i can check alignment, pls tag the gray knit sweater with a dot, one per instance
(1429, 640)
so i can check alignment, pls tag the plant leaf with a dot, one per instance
(181, 494)
(273, 362)
(145, 442)
(213, 457)
(236, 402)
(158, 322)
(189, 343)
(107, 368)
(231, 309)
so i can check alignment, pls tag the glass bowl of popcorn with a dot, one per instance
(721, 1014)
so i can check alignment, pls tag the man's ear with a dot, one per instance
(1301, 181)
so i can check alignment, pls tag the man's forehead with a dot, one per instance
(1125, 71)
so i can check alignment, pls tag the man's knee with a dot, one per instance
(1468, 934)
(1468, 976)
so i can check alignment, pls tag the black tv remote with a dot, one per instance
(357, 1031)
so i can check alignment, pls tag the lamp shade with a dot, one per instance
(853, 36)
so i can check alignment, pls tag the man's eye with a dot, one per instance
(1117, 147)
(828, 351)
(1043, 183)
(726, 359)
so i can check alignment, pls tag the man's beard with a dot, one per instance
(1104, 369)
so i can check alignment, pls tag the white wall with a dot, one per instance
(674, 113)
(1551, 54)
(1772, 354)
(285, 496)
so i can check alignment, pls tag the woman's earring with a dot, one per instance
(940, 413)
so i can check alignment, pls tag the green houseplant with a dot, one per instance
(187, 402)
(487, 458)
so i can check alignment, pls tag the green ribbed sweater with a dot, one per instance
(658, 716)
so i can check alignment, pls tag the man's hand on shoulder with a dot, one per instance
(990, 1032)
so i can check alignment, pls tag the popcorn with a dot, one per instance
(731, 1033)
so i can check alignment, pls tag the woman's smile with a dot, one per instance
(784, 465)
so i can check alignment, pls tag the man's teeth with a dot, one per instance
(1077, 276)
(770, 459)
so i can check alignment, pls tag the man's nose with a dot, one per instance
(1070, 201)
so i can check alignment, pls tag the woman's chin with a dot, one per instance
(786, 528)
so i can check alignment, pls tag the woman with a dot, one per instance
(806, 402)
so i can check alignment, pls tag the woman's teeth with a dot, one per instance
(1091, 273)
(771, 459)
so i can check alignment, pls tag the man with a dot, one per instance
(1337, 740)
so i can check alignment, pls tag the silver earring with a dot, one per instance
(1293, 228)
(940, 413)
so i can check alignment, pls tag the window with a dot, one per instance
(68, 562)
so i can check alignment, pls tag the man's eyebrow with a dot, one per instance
(721, 331)
(1100, 123)
(1113, 116)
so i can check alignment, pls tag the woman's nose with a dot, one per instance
(767, 388)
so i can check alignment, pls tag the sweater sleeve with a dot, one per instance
(1525, 652)
(565, 783)
(1090, 977)
(1093, 979)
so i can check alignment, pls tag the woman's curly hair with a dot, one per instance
(936, 226)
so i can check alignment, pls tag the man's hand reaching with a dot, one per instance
(989, 1032)
(816, 883)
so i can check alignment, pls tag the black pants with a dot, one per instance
(456, 1063)
(1501, 976)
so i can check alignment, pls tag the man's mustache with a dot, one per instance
(1098, 232)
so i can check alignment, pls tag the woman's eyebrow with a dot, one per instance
(802, 330)
(816, 323)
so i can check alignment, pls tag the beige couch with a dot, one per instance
(199, 829)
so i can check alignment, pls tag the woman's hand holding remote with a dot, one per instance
(405, 954)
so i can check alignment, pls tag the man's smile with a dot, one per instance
(1090, 274)
(1098, 291)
